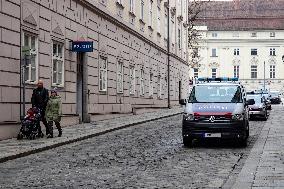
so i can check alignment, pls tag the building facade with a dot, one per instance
(127, 70)
(244, 40)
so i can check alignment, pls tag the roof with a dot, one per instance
(242, 15)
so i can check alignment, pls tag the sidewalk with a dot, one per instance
(13, 148)
(264, 167)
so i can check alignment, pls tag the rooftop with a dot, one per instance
(243, 15)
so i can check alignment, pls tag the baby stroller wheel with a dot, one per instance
(20, 136)
(32, 137)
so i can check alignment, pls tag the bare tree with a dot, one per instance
(194, 9)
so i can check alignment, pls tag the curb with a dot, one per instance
(77, 139)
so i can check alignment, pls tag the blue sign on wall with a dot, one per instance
(82, 46)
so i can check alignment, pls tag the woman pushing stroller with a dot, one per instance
(53, 113)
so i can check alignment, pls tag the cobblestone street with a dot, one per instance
(149, 155)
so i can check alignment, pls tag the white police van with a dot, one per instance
(216, 108)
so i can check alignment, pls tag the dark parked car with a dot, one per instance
(275, 97)
(258, 109)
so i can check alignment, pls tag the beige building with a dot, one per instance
(243, 39)
(127, 70)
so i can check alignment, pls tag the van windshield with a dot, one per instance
(216, 93)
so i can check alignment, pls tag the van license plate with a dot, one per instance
(212, 135)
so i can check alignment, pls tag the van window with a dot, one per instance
(216, 94)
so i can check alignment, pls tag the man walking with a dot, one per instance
(39, 100)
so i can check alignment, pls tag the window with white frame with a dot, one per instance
(237, 71)
(272, 71)
(253, 52)
(31, 44)
(151, 87)
(272, 34)
(179, 38)
(132, 80)
(236, 51)
(158, 19)
(195, 72)
(214, 35)
(151, 13)
(166, 26)
(103, 74)
(142, 82)
(58, 64)
(214, 72)
(214, 52)
(119, 77)
(272, 52)
(131, 6)
(253, 71)
(142, 9)
(160, 87)
(253, 34)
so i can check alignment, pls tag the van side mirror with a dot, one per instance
(250, 102)
(182, 101)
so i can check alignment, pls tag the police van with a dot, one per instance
(216, 108)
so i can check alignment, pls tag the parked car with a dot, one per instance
(216, 108)
(275, 97)
(258, 109)
(266, 96)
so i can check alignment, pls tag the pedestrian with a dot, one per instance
(39, 100)
(53, 113)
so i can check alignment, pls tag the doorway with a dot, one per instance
(79, 91)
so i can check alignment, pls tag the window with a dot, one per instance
(57, 64)
(195, 73)
(253, 52)
(237, 51)
(103, 74)
(132, 80)
(173, 31)
(214, 72)
(214, 35)
(142, 10)
(272, 34)
(151, 13)
(253, 34)
(272, 52)
(31, 70)
(142, 82)
(179, 38)
(214, 52)
(131, 6)
(272, 71)
(237, 71)
(119, 77)
(253, 71)
(159, 20)
(159, 87)
(166, 26)
(236, 34)
(151, 87)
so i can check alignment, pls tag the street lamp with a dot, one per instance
(264, 76)
(168, 53)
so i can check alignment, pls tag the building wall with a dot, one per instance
(117, 34)
(226, 41)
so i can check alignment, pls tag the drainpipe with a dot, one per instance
(168, 53)
(21, 111)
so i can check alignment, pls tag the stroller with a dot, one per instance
(30, 123)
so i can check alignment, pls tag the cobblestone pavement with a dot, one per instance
(149, 155)
(13, 148)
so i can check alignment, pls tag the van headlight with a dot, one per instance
(188, 117)
(238, 117)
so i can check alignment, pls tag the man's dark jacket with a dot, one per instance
(40, 98)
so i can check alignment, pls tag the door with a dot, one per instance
(79, 100)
